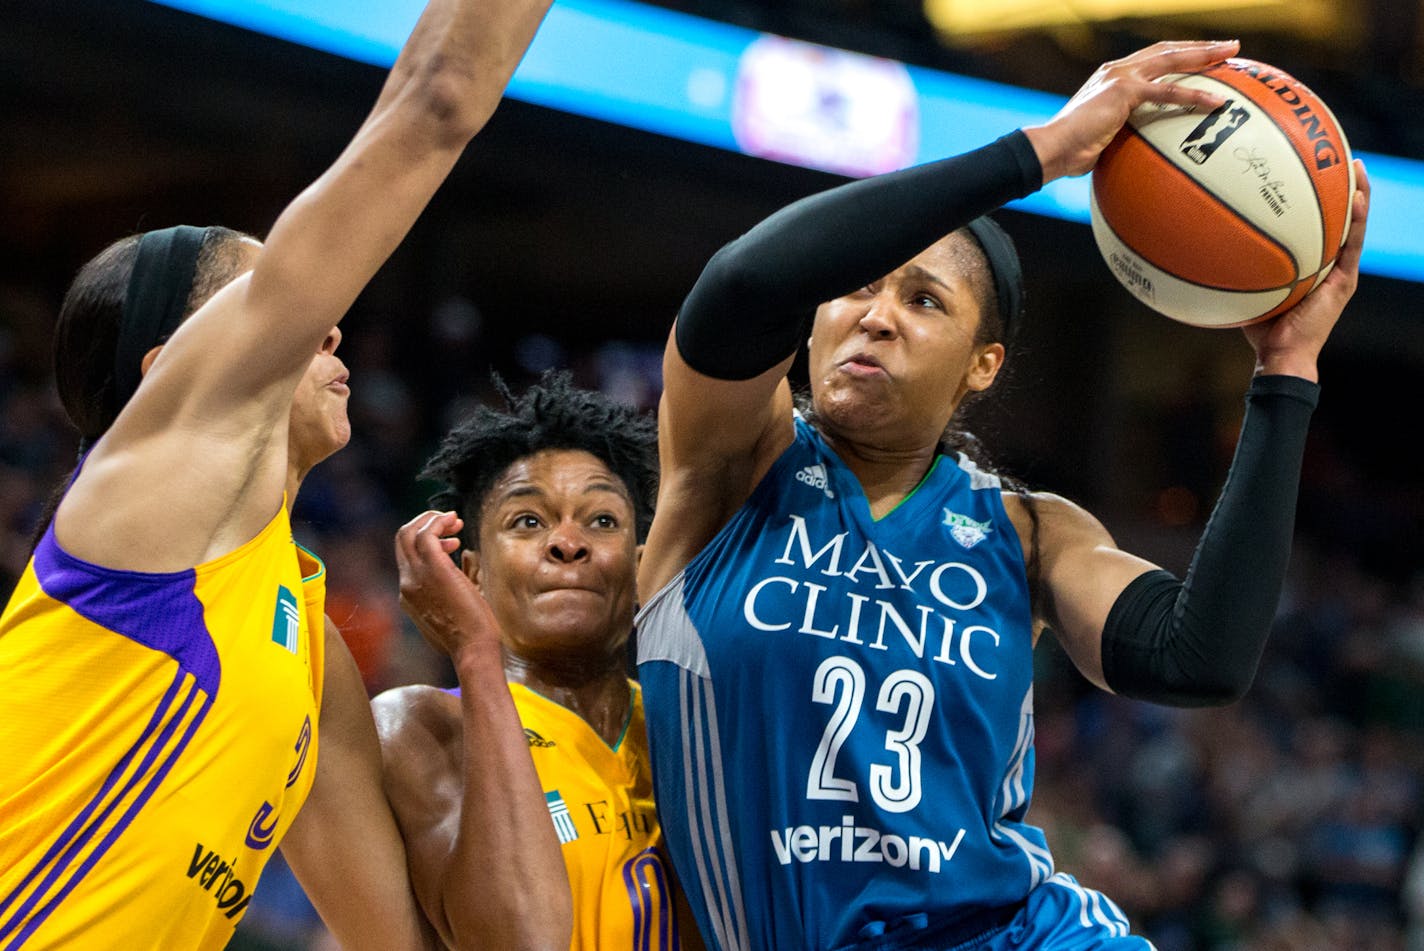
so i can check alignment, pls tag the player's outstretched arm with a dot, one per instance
(344, 846)
(210, 421)
(725, 413)
(234, 365)
(324, 248)
(484, 857)
(1139, 631)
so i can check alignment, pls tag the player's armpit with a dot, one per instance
(1082, 573)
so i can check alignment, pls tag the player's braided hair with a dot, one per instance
(551, 414)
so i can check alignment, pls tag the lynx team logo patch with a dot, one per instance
(966, 530)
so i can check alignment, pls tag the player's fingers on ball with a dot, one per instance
(1178, 94)
(1192, 55)
(1359, 208)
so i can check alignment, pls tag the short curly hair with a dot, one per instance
(551, 414)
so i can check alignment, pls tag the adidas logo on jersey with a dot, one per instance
(966, 530)
(536, 740)
(815, 477)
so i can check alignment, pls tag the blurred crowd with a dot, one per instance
(1291, 820)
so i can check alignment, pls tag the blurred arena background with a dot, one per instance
(1290, 821)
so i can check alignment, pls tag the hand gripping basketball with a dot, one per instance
(1221, 217)
(1070, 142)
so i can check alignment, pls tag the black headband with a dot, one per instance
(157, 295)
(1004, 266)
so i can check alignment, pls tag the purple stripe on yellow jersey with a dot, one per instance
(159, 611)
(75, 839)
(140, 800)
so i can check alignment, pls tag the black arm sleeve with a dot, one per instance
(747, 311)
(1198, 642)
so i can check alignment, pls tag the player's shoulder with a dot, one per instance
(1054, 520)
(416, 714)
(1045, 504)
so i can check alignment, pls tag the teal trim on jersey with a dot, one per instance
(321, 564)
(939, 457)
(617, 744)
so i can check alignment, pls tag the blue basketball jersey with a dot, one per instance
(840, 712)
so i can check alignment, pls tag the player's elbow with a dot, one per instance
(740, 273)
(1216, 693)
(450, 108)
(1214, 689)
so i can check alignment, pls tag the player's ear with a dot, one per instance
(985, 367)
(148, 359)
(470, 564)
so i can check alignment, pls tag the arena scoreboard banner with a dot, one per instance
(785, 100)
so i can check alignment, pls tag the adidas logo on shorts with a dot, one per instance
(815, 477)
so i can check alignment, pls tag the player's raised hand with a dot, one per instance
(441, 599)
(1070, 142)
(1291, 343)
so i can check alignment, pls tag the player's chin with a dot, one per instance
(334, 437)
(856, 409)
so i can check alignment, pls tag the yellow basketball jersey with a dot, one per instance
(157, 736)
(601, 801)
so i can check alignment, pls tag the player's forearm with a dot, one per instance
(344, 846)
(745, 313)
(446, 82)
(1198, 642)
(507, 887)
(458, 59)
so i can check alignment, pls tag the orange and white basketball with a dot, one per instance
(1224, 218)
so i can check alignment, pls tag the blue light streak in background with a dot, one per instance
(674, 74)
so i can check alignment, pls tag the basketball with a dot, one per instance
(1225, 218)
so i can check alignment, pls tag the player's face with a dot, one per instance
(891, 361)
(319, 425)
(558, 557)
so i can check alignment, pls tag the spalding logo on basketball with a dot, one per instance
(1226, 218)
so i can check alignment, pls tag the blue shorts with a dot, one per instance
(1059, 915)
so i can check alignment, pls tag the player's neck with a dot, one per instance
(887, 475)
(597, 692)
